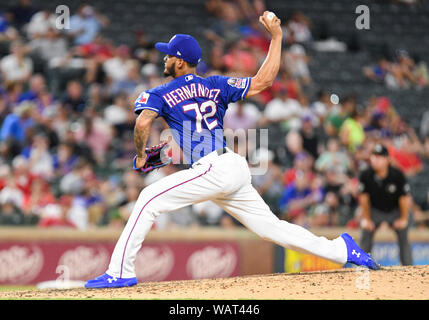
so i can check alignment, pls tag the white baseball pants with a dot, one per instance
(225, 179)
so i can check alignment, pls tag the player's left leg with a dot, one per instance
(247, 206)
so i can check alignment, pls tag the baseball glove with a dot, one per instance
(155, 158)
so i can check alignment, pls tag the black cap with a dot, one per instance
(380, 150)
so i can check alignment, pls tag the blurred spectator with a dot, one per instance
(57, 215)
(310, 139)
(216, 58)
(40, 159)
(402, 73)
(86, 24)
(405, 158)
(297, 198)
(420, 72)
(143, 49)
(96, 134)
(92, 57)
(37, 85)
(226, 30)
(241, 115)
(421, 212)
(322, 105)
(269, 185)
(74, 101)
(424, 133)
(22, 175)
(120, 115)
(12, 194)
(333, 158)
(132, 79)
(10, 215)
(293, 144)
(16, 66)
(380, 71)
(13, 198)
(240, 60)
(335, 118)
(302, 162)
(51, 47)
(7, 32)
(40, 24)
(126, 208)
(208, 213)
(64, 159)
(74, 181)
(4, 107)
(406, 66)
(378, 126)
(40, 197)
(351, 131)
(16, 124)
(21, 13)
(296, 62)
(299, 28)
(283, 109)
(117, 67)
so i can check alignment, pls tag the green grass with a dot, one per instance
(17, 288)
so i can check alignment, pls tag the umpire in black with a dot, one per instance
(384, 196)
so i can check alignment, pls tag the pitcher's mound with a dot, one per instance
(355, 283)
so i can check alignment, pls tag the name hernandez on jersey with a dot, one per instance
(194, 107)
(187, 92)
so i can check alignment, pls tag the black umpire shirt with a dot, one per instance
(384, 193)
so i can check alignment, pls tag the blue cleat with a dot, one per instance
(357, 256)
(107, 281)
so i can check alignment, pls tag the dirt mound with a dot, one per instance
(355, 283)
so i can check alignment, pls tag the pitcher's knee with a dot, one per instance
(147, 204)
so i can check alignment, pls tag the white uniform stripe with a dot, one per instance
(243, 95)
(149, 108)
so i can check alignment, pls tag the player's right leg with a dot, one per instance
(206, 180)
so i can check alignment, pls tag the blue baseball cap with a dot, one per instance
(182, 46)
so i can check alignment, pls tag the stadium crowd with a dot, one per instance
(67, 119)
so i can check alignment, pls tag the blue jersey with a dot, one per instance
(194, 108)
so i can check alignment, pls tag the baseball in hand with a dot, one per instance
(270, 15)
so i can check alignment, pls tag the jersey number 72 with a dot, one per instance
(201, 114)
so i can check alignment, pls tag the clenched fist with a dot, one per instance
(273, 25)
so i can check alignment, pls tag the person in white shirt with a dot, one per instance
(40, 23)
(16, 67)
(118, 112)
(283, 109)
(52, 48)
(117, 68)
(300, 25)
(296, 61)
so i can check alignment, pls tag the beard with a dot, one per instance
(170, 71)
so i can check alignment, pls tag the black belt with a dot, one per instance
(221, 151)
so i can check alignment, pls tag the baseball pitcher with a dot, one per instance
(194, 108)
